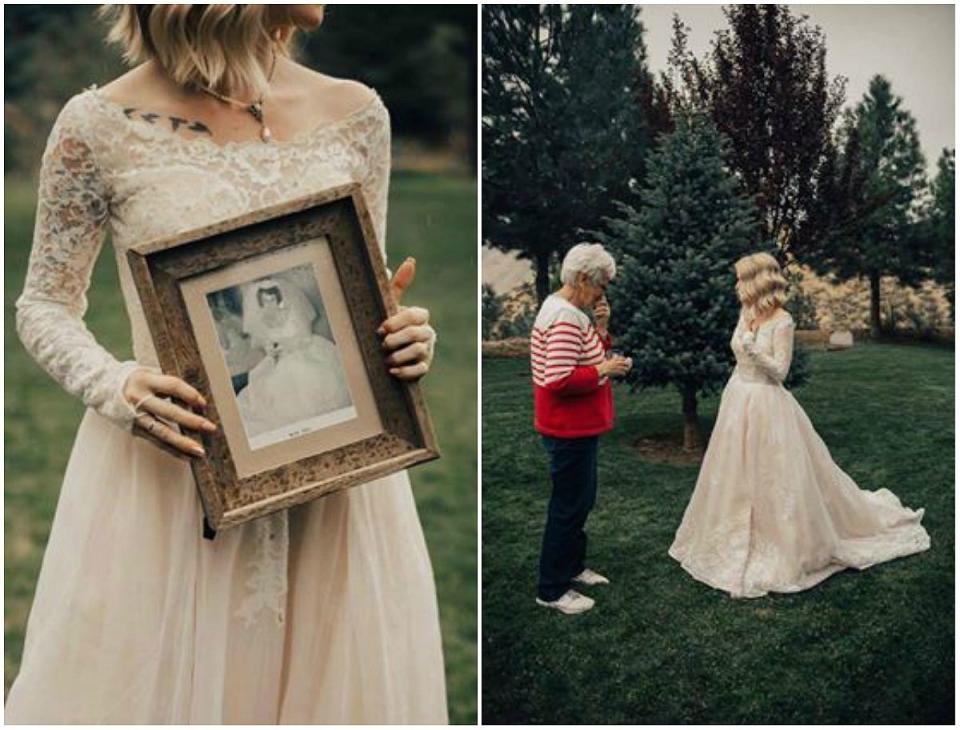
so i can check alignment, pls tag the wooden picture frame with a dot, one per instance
(374, 424)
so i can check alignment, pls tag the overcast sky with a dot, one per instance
(912, 45)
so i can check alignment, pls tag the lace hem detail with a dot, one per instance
(267, 571)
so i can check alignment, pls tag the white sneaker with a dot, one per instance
(569, 602)
(591, 578)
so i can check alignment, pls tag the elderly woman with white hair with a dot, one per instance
(573, 405)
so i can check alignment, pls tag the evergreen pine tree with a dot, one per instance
(673, 299)
(890, 175)
(563, 134)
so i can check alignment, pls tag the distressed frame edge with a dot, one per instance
(319, 490)
(213, 507)
(413, 393)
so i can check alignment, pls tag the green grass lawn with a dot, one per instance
(431, 217)
(659, 647)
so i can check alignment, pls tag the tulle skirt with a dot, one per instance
(325, 613)
(771, 511)
(305, 383)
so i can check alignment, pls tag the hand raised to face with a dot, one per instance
(601, 312)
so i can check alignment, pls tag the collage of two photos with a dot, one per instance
(479, 364)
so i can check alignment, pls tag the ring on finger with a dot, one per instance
(138, 406)
(154, 416)
(148, 396)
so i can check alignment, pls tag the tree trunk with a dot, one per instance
(543, 277)
(874, 305)
(691, 428)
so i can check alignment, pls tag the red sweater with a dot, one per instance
(570, 399)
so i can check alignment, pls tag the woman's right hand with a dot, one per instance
(150, 390)
(616, 366)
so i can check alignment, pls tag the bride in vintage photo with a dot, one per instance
(301, 376)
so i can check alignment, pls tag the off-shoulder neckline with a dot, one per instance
(307, 135)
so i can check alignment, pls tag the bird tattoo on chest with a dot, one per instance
(176, 123)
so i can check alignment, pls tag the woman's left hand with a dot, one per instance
(407, 335)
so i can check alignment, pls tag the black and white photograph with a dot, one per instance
(284, 364)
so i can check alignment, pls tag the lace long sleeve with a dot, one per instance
(376, 182)
(72, 210)
(376, 187)
(777, 365)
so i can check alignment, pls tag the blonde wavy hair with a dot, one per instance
(761, 285)
(223, 47)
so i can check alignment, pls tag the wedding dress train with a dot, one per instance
(771, 511)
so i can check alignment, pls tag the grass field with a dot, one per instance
(659, 647)
(431, 217)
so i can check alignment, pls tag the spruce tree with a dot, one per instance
(673, 299)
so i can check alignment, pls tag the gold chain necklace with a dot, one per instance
(255, 108)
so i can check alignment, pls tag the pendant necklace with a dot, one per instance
(255, 108)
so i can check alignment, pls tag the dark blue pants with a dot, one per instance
(573, 471)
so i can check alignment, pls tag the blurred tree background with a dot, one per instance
(422, 61)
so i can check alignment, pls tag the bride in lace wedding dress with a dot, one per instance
(771, 511)
(325, 613)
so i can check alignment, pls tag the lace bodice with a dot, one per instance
(764, 356)
(102, 171)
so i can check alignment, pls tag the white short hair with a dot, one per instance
(591, 259)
